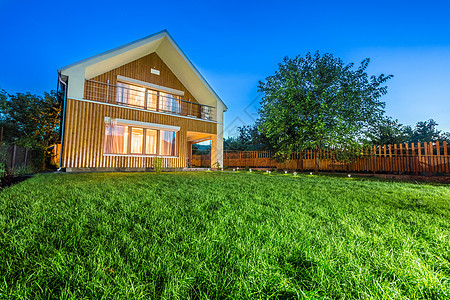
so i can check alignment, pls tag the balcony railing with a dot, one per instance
(144, 98)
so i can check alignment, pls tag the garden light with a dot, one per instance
(310, 173)
(250, 170)
(295, 173)
(234, 170)
(349, 175)
(285, 172)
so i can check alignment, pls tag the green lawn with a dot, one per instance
(200, 235)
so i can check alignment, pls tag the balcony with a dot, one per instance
(144, 98)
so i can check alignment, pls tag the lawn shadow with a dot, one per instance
(299, 269)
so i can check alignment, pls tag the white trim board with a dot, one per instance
(144, 124)
(150, 85)
(146, 110)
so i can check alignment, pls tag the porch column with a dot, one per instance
(217, 140)
(217, 150)
(214, 151)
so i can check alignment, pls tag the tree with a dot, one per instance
(30, 120)
(9, 128)
(318, 101)
(249, 139)
(426, 132)
(389, 131)
(445, 136)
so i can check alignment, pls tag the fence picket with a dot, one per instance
(446, 158)
(430, 158)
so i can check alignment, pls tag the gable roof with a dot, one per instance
(167, 49)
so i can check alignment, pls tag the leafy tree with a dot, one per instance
(201, 149)
(445, 136)
(389, 131)
(426, 131)
(9, 128)
(233, 143)
(317, 101)
(30, 120)
(249, 139)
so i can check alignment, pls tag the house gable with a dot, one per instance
(160, 43)
(140, 69)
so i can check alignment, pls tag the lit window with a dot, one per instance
(169, 103)
(150, 141)
(130, 140)
(116, 139)
(152, 99)
(167, 143)
(130, 94)
(137, 140)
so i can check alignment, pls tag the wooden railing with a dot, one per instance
(419, 158)
(146, 99)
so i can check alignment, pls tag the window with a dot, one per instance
(169, 103)
(130, 94)
(116, 139)
(150, 141)
(152, 99)
(138, 96)
(167, 143)
(131, 140)
(206, 113)
(137, 140)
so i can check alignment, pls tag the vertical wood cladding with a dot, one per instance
(140, 69)
(85, 133)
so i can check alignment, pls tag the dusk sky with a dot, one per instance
(236, 44)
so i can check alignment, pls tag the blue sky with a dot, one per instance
(235, 44)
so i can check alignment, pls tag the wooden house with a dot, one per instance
(127, 106)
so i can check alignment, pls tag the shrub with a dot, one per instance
(157, 164)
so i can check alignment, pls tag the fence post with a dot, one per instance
(438, 157)
(407, 158)
(419, 152)
(13, 158)
(26, 157)
(431, 158)
(446, 158)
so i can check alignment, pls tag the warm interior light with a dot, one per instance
(150, 141)
(137, 138)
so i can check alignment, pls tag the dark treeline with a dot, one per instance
(30, 121)
(388, 131)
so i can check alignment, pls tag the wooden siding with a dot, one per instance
(140, 70)
(85, 131)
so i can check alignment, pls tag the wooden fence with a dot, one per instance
(16, 157)
(420, 158)
(201, 160)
